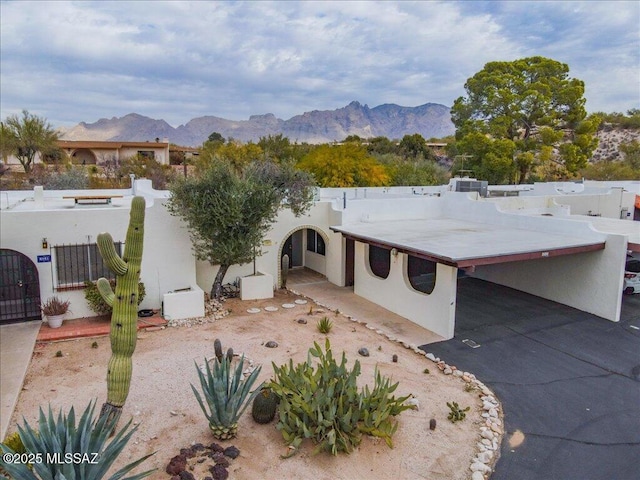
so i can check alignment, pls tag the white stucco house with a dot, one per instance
(402, 248)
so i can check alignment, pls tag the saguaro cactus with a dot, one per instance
(124, 302)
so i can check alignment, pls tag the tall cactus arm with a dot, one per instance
(109, 254)
(135, 233)
(104, 287)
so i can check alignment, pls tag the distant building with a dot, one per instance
(90, 152)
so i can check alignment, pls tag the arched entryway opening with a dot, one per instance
(83, 156)
(306, 247)
(19, 288)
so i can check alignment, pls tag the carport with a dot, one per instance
(568, 382)
(567, 262)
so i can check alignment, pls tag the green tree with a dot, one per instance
(381, 146)
(631, 154)
(276, 147)
(228, 212)
(346, 165)
(143, 166)
(353, 138)
(411, 172)
(415, 146)
(26, 136)
(533, 104)
(234, 153)
(215, 137)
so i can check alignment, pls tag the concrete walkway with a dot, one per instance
(17, 342)
(317, 287)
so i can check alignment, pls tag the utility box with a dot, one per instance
(480, 186)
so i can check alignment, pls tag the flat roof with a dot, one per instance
(461, 243)
(630, 228)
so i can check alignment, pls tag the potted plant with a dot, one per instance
(55, 310)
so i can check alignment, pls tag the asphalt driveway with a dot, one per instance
(568, 381)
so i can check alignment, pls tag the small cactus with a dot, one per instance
(457, 414)
(285, 270)
(230, 354)
(264, 406)
(325, 325)
(217, 348)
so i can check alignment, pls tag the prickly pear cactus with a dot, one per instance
(124, 302)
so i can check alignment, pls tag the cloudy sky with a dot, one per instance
(176, 60)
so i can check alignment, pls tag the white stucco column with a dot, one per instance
(435, 311)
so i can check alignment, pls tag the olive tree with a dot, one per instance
(228, 212)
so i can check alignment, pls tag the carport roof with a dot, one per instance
(630, 228)
(461, 243)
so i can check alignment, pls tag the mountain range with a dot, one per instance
(430, 120)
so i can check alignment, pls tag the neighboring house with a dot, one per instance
(87, 152)
(402, 247)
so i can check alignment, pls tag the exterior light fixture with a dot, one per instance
(45, 244)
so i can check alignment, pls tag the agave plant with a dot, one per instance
(226, 393)
(60, 450)
(325, 325)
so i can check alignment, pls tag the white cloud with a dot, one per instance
(80, 61)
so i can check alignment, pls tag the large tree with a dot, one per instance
(532, 110)
(228, 211)
(347, 165)
(28, 135)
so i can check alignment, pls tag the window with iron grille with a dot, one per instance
(75, 264)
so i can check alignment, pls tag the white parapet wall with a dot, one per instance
(255, 287)
(184, 303)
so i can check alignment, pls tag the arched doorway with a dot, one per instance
(83, 156)
(306, 246)
(19, 288)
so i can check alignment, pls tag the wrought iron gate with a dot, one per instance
(19, 288)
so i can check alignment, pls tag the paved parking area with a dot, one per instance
(569, 382)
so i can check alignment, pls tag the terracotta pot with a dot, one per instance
(55, 321)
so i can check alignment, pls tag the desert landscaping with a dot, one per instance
(163, 406)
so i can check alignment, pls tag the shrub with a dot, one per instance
(97, 303)
(55, 306)
(323, 403)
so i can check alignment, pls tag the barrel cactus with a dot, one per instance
(124, 304)
(264, 406)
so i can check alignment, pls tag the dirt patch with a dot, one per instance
(162, 404)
